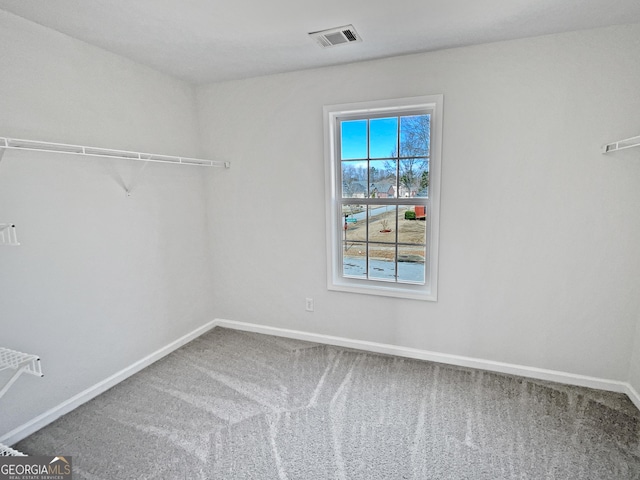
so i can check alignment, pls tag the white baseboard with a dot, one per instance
(633, 395)
(493, 366)
(49, 416)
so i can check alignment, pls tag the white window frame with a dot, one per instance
(335, 279)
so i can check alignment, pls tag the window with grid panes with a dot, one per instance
(383, 178)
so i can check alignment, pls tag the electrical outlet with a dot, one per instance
(309, 304)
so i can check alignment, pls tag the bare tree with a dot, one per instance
(414, 152)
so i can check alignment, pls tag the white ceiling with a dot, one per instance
(209, 40)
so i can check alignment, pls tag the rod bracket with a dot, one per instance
(134, 180)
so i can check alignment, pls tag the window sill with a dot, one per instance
(406, 291)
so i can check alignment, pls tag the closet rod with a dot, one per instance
(38, 146)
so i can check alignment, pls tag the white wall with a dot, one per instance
(634, 364)
(539, 231)
(101, 280)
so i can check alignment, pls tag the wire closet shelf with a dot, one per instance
(20, 363)
(621, 144)
(10, 452)
(8, 234)
(39, 146)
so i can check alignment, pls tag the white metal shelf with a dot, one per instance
(9, 452)
(8, 234)
(38, 146)
(621, 144)
(21, 363)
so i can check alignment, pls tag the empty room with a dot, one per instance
(291, 240)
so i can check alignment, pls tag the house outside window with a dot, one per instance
(383, 191)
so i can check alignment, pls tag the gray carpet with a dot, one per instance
(235, 405)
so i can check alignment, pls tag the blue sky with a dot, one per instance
(384, 135)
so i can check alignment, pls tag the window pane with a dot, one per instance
(382, 179)
(382, 261)
(353, 139)
(414, 136)
(354, 179)
(412, 225)
(382, 223)
(353, 223)
(414, 177)
(356, 213)
(383, 134)
(411, 264)
(354, 256)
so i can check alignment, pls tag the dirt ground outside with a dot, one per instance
(409, 231)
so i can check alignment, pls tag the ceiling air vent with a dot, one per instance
(336, 36)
